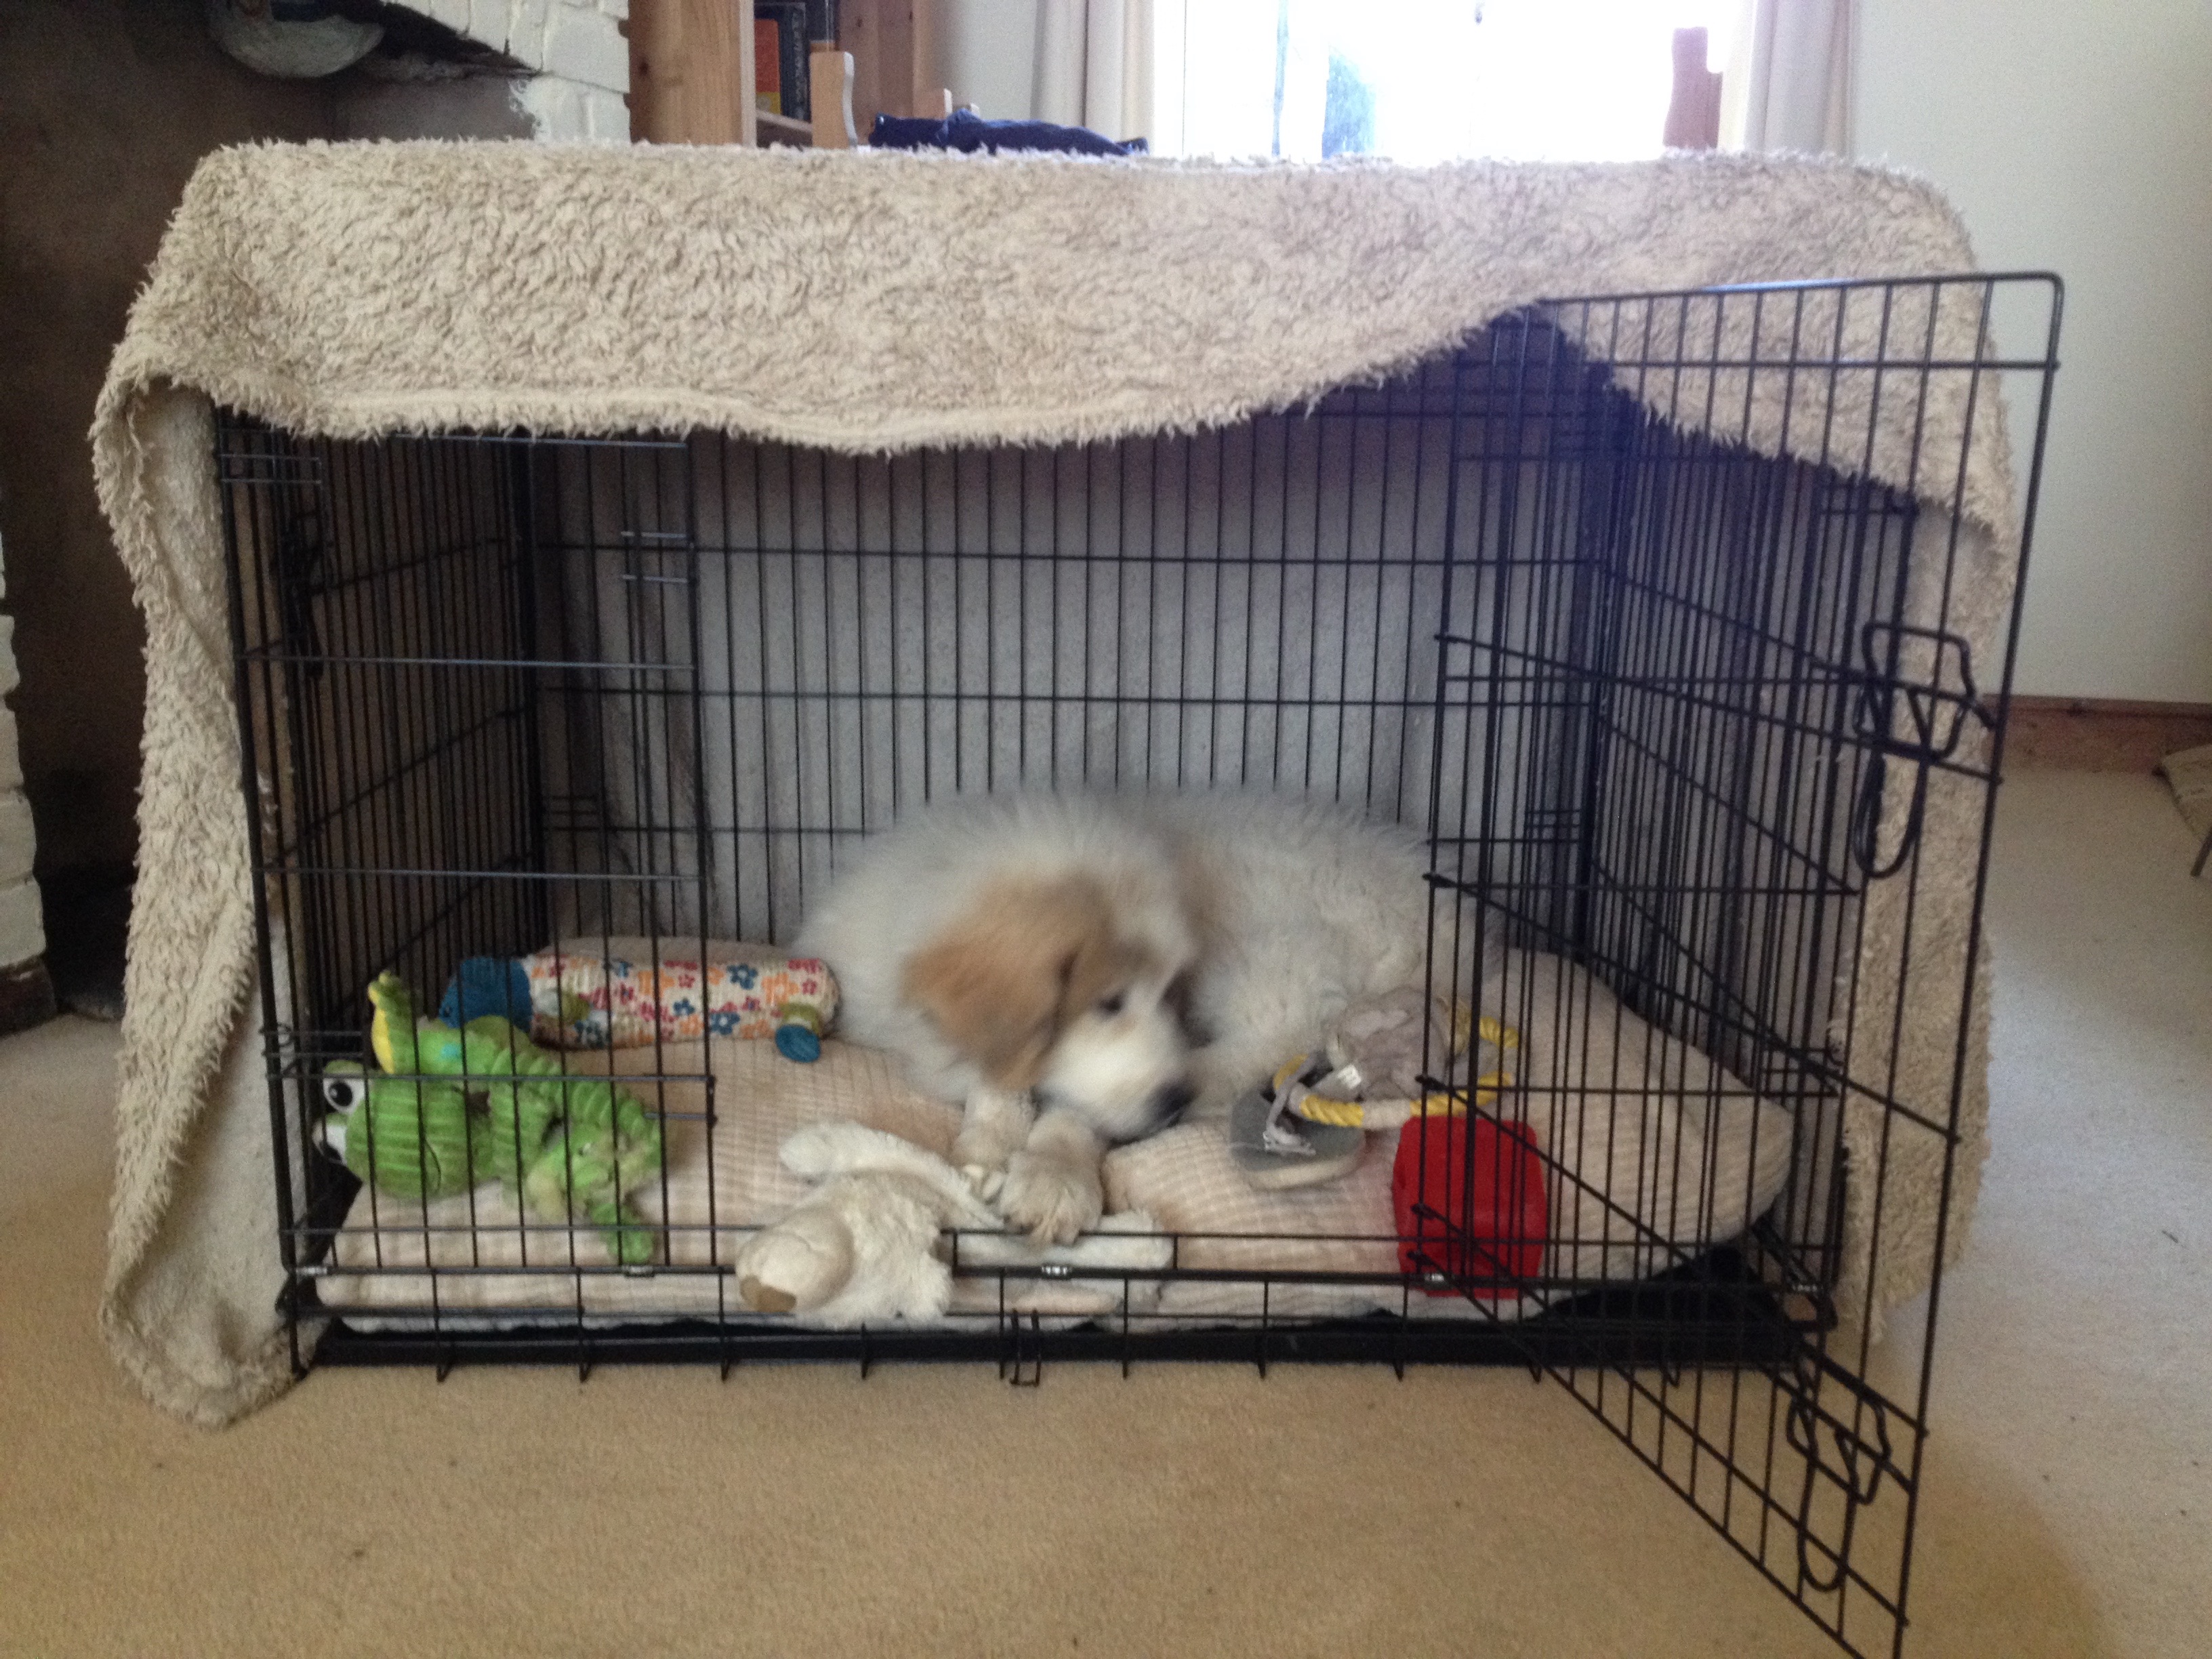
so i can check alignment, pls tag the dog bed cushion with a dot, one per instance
(1653, 1151)
(721, 1175)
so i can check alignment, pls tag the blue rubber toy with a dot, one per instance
(486, 985)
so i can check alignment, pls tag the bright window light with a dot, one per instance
(1426, 80)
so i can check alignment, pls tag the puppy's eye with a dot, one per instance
(1107, 1007)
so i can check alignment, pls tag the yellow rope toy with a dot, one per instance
(1317, 1108)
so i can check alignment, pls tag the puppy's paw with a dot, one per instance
(1051, 1197)
(989, 1142)
(985, 1183)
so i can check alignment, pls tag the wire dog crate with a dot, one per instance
(1688, 711)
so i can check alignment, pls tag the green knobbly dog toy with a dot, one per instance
(568, 1146)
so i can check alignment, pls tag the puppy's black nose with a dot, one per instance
(1168, 1105)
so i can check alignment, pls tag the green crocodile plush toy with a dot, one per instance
(568, 1146)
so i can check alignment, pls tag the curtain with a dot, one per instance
(1094, 66)
(1788, 85)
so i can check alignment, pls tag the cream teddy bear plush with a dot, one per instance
(864, 1247)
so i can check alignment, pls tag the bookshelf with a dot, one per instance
(691, 73)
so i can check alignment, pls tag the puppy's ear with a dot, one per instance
(998, 982)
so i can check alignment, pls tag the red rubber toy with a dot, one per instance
(1483, 1219)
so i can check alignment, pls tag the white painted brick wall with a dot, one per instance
(555, 107)
(22, 930)
(583, 36)
(583, 44)
(22, 924)
(575, 45)
(11, 759)
(607, 113)
(22, 933)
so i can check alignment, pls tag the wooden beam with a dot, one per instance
(691, 71)
(879, 36)
(653, 57)
(2096, 734)
(924, 95)
(894, 63)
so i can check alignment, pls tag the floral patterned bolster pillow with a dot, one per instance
(585, 1000)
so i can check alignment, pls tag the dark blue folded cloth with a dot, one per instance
(964, 130)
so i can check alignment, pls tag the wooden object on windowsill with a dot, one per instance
(1693, 116)
(2098, 734)
(829, 90)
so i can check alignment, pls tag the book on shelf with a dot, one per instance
(781, 73)
(767, 88)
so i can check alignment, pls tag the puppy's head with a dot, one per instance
(1056, 986)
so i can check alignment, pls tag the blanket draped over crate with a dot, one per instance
(871, 303)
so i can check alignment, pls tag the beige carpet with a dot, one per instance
(1188, 1510)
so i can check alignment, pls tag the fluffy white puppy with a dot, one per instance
(1077, 971)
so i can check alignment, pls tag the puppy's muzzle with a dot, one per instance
(1166, 1106)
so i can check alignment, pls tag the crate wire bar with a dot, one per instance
(1667, 708)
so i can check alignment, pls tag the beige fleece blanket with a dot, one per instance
(871, 302)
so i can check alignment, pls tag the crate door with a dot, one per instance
(1720, 731)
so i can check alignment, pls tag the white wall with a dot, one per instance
(2078, 137)
(985, 54)
(22, 933)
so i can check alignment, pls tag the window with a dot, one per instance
(1425, 80)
